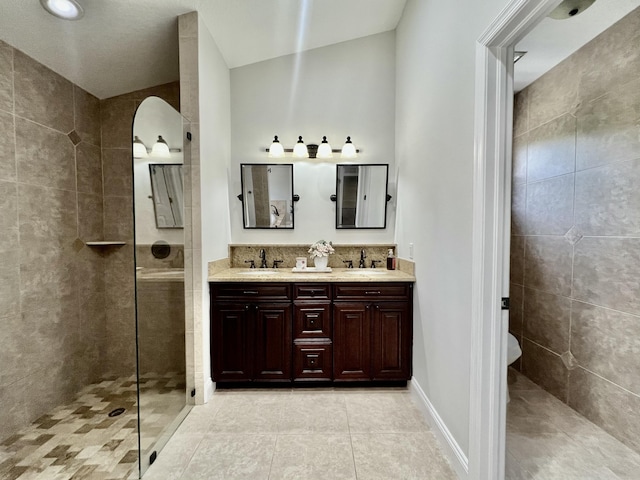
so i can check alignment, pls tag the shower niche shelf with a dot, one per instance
(105, 243)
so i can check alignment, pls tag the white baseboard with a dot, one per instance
(452, 450)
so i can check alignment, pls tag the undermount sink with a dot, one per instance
(366, 272)
(258, 272)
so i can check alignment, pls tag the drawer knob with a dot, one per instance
(250, 292)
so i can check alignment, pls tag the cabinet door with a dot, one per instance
(231, 342)
(391, 353)
(351, 341)
(273, 347)
(312, 320)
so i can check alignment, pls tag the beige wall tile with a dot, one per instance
(547, 320)
(518, 209)
(607, 343)
(6, 77)
(117, 120)
(607, 405)
(606, 272)
(117, 172)
(89, 168)
(42, 95)
(608, 199)
(546, 369)
(44, 157)
(7, 147)
(516, 305)
(521, 113)
(47, 216)
(552, 149)
(519, 168)
(118, 218)
(516, 262)
(547, 264)
(87, 116)
(9, 240)
(550, 206)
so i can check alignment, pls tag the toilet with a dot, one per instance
(513, 353)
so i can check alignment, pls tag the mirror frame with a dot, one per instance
(242, 198)
(386, 195)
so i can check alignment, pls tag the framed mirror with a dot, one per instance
(361, 196)
(267, 195)
(167, 194)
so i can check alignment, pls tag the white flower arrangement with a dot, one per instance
(321, 248)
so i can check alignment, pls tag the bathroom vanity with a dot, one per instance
(350, 325)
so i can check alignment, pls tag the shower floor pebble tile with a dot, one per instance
(80, 441)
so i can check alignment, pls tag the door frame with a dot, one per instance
(491, 232)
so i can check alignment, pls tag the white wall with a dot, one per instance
(435, 55)
(214, 106)
(154, 117)
(344, 89)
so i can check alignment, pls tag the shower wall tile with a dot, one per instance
(89, 168)
(117, 172)
(6, 77)
(516, 305)
(189, 79)
(47, 216)
(90, 214)
(606, 272)
(607, 342)
(608, 199)
(549, 208)
(607, 405)
(52, 280)
(87, 116)
(547, 264)
(10, 284)
(518, 209)
(545, 368)
(616, 54)
(521, 113)
(117, 122)
(608, 128)
(9, 240)
(13, 414)
(547, 320)
(516, 269)
(169, 92)
(552, 149)
(519, 167)
(42, 95)
(552, 95)
(44, 157)
(118, 218)
(7, 147)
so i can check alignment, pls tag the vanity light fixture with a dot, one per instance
(139, 148)
(276, 150)
(324, 149)
(65, 9)
(160, 148)
(349, 150)
(300, 150)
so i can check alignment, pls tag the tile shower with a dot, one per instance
(575, 245)
(67, 310)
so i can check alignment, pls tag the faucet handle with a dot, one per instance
(252, 262)
(276, 262)
(373, 263)
(349, 263)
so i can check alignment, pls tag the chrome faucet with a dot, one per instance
(363, 255)
(263, 258)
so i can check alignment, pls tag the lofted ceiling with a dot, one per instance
(125, 45)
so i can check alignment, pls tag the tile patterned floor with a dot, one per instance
(548, 440)
(303, 434)
(80, 441)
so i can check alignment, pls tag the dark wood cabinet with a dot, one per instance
(372, 332)
(250, 332)
(311, 332)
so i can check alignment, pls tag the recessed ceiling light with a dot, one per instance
(65, 9)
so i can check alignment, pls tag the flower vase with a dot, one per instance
(321, 262)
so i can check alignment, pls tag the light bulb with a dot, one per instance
(349, 150)
(324, 149)
(300, 149)
(276, 150)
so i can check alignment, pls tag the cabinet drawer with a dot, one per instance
(371, 291)
(248, 291)
(311, 291)
(312, 320)
(313, 362)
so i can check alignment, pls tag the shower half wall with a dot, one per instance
(575, 245)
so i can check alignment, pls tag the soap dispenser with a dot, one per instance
(391, 260)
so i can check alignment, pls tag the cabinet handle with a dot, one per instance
(250, 292)
(377, 292)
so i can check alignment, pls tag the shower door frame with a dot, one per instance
(491, 232)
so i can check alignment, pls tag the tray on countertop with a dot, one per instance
(311, 270)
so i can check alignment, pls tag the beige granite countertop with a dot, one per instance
(286, 275)
(160, 274)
